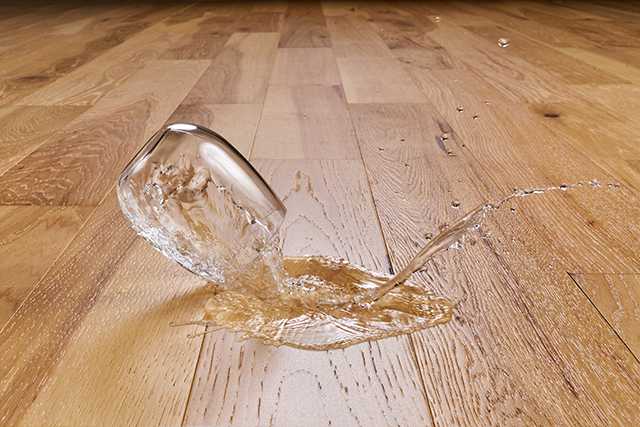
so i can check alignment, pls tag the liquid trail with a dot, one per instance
(453, 235)
(322, 303)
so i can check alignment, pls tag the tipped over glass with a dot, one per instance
(197, 200)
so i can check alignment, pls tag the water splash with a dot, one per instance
(453, 236)
(503, 42)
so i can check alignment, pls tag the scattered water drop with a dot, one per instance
(459, 108)
(564, 187)
(595, 183)
(457, 245)
(503, 42)
(436, 19)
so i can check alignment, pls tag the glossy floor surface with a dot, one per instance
(342, 106)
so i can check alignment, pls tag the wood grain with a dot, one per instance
(413, 191)
(342, 106)
(304, 26)
(32, 238)
(389, 84)
(24, 129)
(87, 84)
(236, 122)
(240, 73)
(305, 66)
(79, 165)
(617, 298)
(305, 122)
(69, 48)
(329, 212)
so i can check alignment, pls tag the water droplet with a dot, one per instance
(436, 19)
(455, 204)
(428, 236)
(564, 187)
(459, 108)
(487, 102)
(381, 148)
(503, 42)
(613, 185)
(444, 136)
(513, 209)
(457, 245)
(475, 117)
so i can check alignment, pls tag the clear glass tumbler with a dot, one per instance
(197, 200)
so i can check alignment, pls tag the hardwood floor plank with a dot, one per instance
(567, 67)
(235, 122)
(47, 61)
(617, 298)
(622, 70)
(79, 164)
(508, 144)
(304, 26)
(353, 37)
(139, 356)
(390, 83)
(24, 129)
(544, 332)
(31, 238)
(240, 73)
(305, 122)
(87, 84)
(305, 66)
(246, 383)
(62, 299)
(258, 22)
(530, 356)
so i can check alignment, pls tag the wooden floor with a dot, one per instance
(341, 105)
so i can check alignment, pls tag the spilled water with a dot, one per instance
(313, 302)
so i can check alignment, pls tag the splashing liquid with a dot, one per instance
(315, 302)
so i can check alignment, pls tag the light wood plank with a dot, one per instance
(240, 73)
(558, 61)
(329, 212)
(509, 144)
(304, 26)
(235, 122)
(87, 84)
(617, 68)
(305, 122)
(79, 164)
(617, 298)
(480, 360)
(24, 129)
(305, 66)
(389, 84)
(107, 344)
(49, 58)
(31, 238)
(353, 37)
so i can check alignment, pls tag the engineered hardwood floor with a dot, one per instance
(342, 106)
